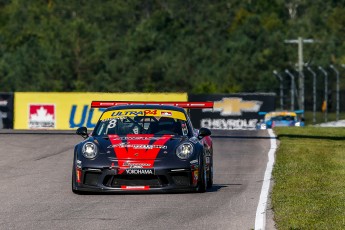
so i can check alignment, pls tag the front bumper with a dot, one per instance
(109, 180)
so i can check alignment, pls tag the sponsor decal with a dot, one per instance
(133, 171)
(234, 106)
(165, 113)
(79, 164)
(194, 162)
(141, 112)
(137, 146)
(42, 116)
(143, 156)
(207, 160)
(228, 123)
(124, 187)
(136, 165)
(3, 102)
(147, 138)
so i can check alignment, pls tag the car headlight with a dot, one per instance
(90, 150)
(184, 151)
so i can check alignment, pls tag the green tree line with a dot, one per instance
(197, 46)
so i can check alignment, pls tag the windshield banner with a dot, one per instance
(143, 112)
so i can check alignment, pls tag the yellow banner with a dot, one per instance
(143, 112)
(72, 110)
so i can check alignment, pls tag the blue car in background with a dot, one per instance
(280, 118)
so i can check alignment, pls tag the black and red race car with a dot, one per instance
(138, 146)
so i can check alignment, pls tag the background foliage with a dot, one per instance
(162, 45)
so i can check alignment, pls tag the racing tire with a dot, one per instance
(202, 184)
(210, 176)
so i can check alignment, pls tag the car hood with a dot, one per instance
(139, 151)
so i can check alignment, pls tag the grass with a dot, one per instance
(309, 178)
(320, 117)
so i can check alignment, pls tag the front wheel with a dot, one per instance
(210, 175)
(202, 184)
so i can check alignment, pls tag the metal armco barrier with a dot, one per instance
(232, 111)
(6, 110)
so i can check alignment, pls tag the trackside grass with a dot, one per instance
(309, 178)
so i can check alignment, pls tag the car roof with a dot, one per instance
(137, 106)
(280, 113)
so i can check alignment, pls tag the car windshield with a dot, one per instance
(142, 122)
(283, 118)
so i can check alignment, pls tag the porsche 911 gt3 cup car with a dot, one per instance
(143, 146)
(280, 118)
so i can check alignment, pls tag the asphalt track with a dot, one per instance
(35, 191)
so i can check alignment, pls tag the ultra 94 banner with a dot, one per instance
(231, 111)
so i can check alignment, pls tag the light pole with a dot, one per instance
(300, 42)
(292, 89)
(337, 96)
(275, 72)
(326, 92)
(314, 93)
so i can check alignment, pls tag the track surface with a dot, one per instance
(35, 191)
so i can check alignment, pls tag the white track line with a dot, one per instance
(260, 219)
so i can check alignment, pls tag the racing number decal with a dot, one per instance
(150, 112)
(112, 124)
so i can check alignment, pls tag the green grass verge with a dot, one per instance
(320, 117)
(309, 178)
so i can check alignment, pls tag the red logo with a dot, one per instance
(42, 116)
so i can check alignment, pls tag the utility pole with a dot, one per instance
(300, 42)
(275, 72)
(337, 97)
(292, 89)
(314, 94)
(326, 91)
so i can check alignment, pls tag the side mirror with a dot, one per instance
(82, 131)
(203, 132)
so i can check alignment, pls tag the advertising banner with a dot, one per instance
(6, 110)
(231, 111)
(64, 111)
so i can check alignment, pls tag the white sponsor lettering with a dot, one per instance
(139, 171)
(228, 123)
(139, 138)
(124, 145)
(136, 165)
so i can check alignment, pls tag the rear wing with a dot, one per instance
(186, 105)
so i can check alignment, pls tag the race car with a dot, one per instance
(280, 118)
(138, 147)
